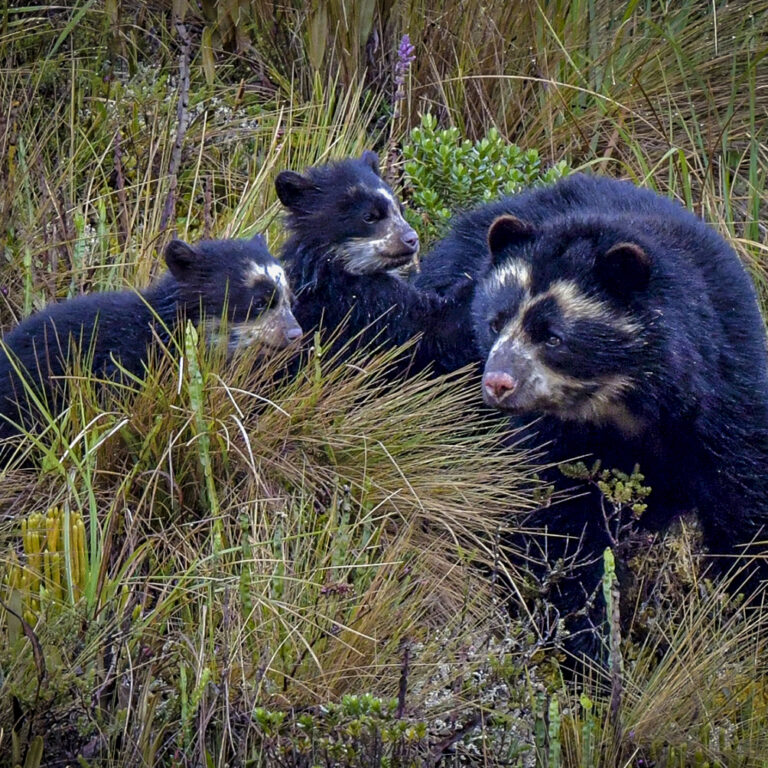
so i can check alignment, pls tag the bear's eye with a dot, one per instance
(553, 340)
(263, 301)
(496, 324)
(371, 217)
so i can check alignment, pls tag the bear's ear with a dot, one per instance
(291, 188)
(180, 258)
(624, 268)
(505, 231)
(259, 240)
(371, 159)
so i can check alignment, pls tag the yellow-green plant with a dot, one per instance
(53, 565)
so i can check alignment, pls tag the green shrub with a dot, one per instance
(445, 173)
(361, 730)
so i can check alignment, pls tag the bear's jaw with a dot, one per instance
(361, 256)
(518, 380)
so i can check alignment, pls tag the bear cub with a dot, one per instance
(629, 329)
(236, 281)
(348, 239)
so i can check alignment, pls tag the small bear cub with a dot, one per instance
(346, 212)
(232, 284)
(347, 241)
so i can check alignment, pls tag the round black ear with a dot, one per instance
(180, 258)
(259, 240)
(624, 268)
(371, 159)
(291, 188)
(505, 231)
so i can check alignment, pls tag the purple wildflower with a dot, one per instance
(406, 53)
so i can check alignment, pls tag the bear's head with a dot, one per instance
(346, 211)
(563, 320)
(240, 282)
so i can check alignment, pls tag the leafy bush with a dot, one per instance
(361, 730)
(445, 173)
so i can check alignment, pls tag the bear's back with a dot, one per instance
(463, 252)
(101, 325)
(107, 332)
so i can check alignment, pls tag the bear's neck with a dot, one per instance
(303, 257)
(164, 298)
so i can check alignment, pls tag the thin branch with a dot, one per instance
(124, 224)
(182, 120)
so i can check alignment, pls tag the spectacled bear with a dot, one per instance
(234, 280)
(631, 331)
(347, 241)
(462, 254)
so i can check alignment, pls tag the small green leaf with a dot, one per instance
(209, 61)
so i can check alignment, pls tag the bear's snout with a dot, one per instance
(410, 240)
(497, 387)
(293, 333)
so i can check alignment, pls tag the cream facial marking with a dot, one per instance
(277, 273)
(361, 256)
(268, 329)
(605, 406)
(240, 335)
(272, 272)
(388, 196)
(573, 303)
(512, 272)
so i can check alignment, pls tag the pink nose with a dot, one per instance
(293, 333)
(498, 385)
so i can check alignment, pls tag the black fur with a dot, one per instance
(463, 252)
(681, 323)
(347, 239)
(115, 330)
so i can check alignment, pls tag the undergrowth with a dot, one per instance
(221, 565)
(338, 526)
(445, 174)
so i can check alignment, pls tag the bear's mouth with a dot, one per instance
(400, 259)
(369, 258)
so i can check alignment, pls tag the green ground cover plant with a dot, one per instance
(222, 566)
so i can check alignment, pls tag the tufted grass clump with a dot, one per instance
(254, 539)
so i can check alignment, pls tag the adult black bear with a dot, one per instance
(347, 241)
(236, 279)
(631, 330)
